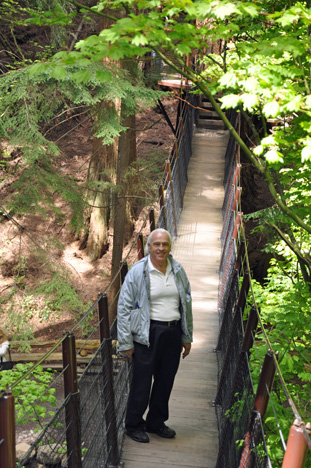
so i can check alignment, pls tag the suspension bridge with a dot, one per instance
(214, 409)
(198, 248)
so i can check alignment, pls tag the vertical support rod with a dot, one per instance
(170, 181)
(72, 409)
(162, 203)
(108, 390)
(140, 246)
(166, 116)
(297, 448)
(244, 291)
(241, 252)
(151, 220)
(7, 431)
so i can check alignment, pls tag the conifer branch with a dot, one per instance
(84, 7)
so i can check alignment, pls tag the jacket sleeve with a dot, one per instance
(189, 317)
(125, 306)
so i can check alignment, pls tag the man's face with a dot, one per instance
(159, 248)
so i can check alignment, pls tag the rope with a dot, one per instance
(281, 378)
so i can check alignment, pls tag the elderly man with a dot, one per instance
(154, 327)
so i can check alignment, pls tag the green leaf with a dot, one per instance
(229, 79)
(222, 11)
(58, 72)
(294, 104)
(139, 39)
(81, 76)
(258, 150)
(230, 101)
(183, 48)
(103, 76)
(271, 109)
(268, 141)
(306, 154)
(249, 101)
(273, 156)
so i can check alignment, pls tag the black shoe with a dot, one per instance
(138, 436)
(163, 431)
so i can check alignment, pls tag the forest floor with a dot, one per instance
(22, 238)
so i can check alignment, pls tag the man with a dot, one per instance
(154, 327)
(4, 345)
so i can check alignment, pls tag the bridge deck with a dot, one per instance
(198, 249)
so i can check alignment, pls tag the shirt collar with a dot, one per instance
(153, 268)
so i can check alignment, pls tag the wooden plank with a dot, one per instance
(34, 357)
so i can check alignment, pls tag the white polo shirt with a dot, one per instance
(164, 297)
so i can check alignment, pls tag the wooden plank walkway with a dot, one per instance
(197, 248)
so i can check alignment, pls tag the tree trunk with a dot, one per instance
(99, 198)
(104, 157)
(122, 226)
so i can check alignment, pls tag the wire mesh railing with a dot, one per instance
(79, 414)
(240, 411)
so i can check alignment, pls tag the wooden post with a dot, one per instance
(251, 326)
(297, 448)
(124, 270)
(72, 408)
(265, 381)
(151, 220)
(108, 390)
(7, 431)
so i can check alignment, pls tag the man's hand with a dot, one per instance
(127, 354)
(186, 347)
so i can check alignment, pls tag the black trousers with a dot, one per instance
(154, 370)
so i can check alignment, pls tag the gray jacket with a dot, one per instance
(134, 305)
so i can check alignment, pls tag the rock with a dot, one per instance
(22, 449)
(48, 454)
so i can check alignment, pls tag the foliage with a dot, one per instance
(30, 103)
(53, 294)
(60, 293)
(262, 68)
(285, 312)
(30, 393)
(143, 177)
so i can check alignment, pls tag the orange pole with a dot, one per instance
(297, 448)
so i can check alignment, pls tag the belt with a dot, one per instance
(172, 323)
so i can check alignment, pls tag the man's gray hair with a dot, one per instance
(150, 238)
